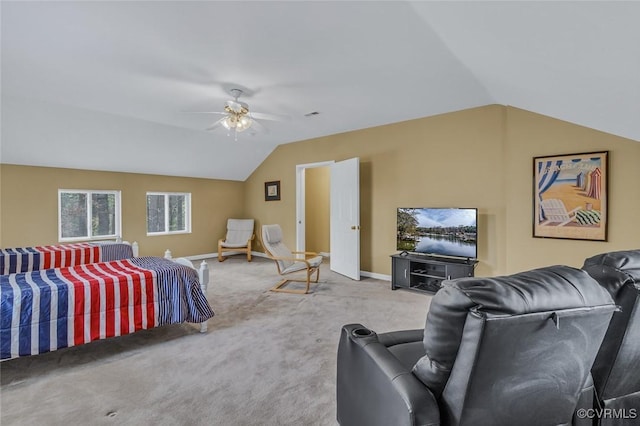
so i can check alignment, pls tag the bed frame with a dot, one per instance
(203, 276)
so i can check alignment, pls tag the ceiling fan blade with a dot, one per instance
(216, 124)
(270, 117)
(259, 127)
(205, 112)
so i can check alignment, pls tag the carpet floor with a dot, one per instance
(267, 359)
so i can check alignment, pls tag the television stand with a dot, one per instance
(426, 273)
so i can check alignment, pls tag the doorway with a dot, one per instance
(344, 213)
(318, 176)
(317, 209)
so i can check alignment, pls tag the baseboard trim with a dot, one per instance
(202, 256)
(375, 275)
(228, 253)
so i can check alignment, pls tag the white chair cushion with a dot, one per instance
(240, 224)
(239, 232)
(237, 245)
(271, 234)
(314, 262)
(272, 240)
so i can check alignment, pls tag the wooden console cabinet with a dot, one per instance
(426, 273)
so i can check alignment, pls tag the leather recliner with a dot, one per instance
(616, 371)
(513, 350)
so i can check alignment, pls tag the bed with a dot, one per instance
(49, 309)
(24, 259)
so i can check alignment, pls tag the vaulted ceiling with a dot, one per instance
(107, 85)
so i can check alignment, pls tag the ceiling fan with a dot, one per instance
(236, 116)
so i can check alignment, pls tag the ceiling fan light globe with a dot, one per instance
(237, 117)
(243, 123)
(229, 123)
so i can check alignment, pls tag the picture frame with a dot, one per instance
(570, 196)
(272, 191)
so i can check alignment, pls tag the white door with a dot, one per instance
(345, 218)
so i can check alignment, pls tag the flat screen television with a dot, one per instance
(450, 232)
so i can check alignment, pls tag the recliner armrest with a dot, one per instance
(400, 337)
(374, 388)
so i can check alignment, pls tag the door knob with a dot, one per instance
(354, 227)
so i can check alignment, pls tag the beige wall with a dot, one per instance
(317, 187)
(30, 206)
(480, 158)
(448, 160)
(530, 135)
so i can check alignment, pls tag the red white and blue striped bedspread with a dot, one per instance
(24, 259)
(41, 311)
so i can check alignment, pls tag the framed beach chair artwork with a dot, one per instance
(570, 196)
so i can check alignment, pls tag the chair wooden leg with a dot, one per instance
(248, 255)
(280, 286)
(221, 258)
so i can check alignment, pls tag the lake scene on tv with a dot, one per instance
(438, 231)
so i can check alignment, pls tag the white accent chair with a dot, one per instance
(238, 239)
(287, 262)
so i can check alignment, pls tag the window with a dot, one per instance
(87, 215)
(168, 213)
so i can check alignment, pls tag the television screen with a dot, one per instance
(438, 231)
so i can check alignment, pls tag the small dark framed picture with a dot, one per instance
(272, 191)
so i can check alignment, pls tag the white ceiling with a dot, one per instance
(105, 85)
